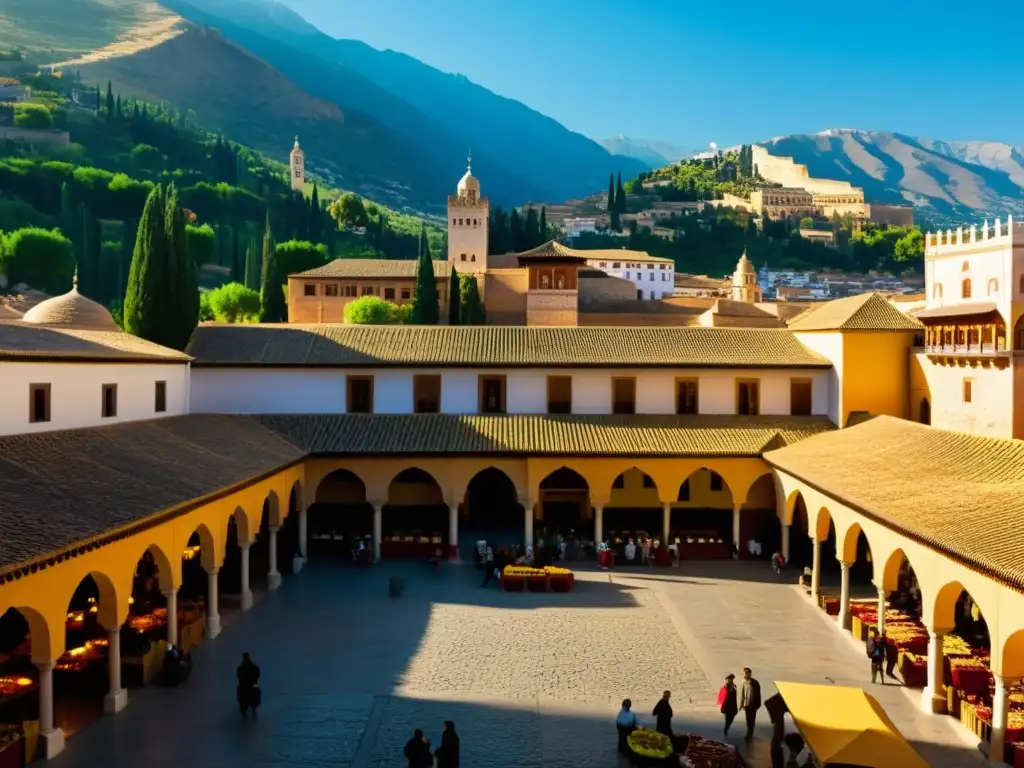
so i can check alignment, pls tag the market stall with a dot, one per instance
(516, 578)
(651, 749)
(847, 727)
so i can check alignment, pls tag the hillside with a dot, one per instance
(508, 138)
(653, 154)
(946, 181)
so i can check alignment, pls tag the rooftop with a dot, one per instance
(22, 341)
(896, 471)
(373, 268)
(339, 345)
(864, 312)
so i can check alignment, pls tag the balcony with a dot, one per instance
(988, 349)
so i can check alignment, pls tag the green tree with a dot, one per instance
(611, 193)
(544, 224)
(634, 187)
(454, 297)
(33, 117)
(425, 302)
(252, 267)
(145, 305)
(371, 310)
(272, 305)
(43, 259)
(110, 100)
(349, 211)
(148, 158)
(233, 303)
(296, 256)
(183, 277)
(806, 223)
(909, 248)
(620, 195)
(202, 241)
(471, 309)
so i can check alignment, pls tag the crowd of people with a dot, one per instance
(418, 754)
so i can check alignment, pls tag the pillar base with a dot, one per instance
(273, 580)
(297, 563)
(247, 600)
(115, 701)
(933, 704)
(51, 743)
(212, 626)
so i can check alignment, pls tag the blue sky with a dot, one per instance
(694, 72)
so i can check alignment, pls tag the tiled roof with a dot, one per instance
(865, 312)
(497, 346)
(731, 308)
(21, 341)
(960, 494)
(368, 268)
(553, 248)
(72, 487)
(958, 310)
(550, 251)
(542, 435)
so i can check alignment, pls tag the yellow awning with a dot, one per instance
(846, 726)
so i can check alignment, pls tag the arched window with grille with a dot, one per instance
(965, 289)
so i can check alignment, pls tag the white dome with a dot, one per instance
(469, 183)
(72, 310)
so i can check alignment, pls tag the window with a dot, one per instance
(389, 294)
(406, 293)
(360, 394)
(965, 289)
(604, 264)
(627, 276)
(687, 401)
(684, 490)
(463, 257)
(472, 257)
(309, 289)
(650, 266)
(993, 286)
(368, 290)
(559, 394)
(965, 267)
(716, 482)
(800, 397)
(617, 265)
(492, 394)
(350, 290)
(426, 393)
(624, 395)
(937, 290)
(39, 403)
(968, 389)
(639, 294)
(161, 397)
(650, 276)
(109, 401)
(330, 290)
(748, 400)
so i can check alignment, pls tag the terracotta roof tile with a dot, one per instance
(865, 312)
(498, 346)
(543, 435)
(24, 341)
(960, 494)
(366, 268)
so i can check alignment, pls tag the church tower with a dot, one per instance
(469, 217)
(298, 166)
(745, 287)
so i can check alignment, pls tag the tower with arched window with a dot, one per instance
(468, 221)
(298, 166)
(745, 287)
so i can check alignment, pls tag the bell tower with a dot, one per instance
(469, 216)
(298, 166)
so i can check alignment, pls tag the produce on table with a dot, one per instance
(649, 743)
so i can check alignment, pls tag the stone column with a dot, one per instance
(815, 570)
(736, 527)
(212, 607)
(273, 575)
(844, 596)
(785, 542)
(303, 534)
(997, 745)
(246, 591)
(598, 524)
(453, 532)
(528, 523)
(378, 526)
(172, 615)
(117, 697)
(881, 611)
(933, 697)
(51, 739)
(666, 522)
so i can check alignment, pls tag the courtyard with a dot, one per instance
(531, 680)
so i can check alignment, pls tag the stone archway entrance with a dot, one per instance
(491, 510)
(564, 505)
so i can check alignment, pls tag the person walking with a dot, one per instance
(750, 700)
(488, 566)
(248, 692)
(663, 712)
(891, 656)
(448, 753)
(625, 724)
(876, 652)
(727, 704)
(417, 751)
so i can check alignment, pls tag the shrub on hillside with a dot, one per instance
(233, 303)
(41, 258)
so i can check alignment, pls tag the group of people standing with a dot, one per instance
(418, 754)
(881, 651)
(746, 698)
(626, 721)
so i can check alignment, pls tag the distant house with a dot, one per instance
(11, 93)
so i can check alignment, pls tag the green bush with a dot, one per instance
(232, 303)
(41, 258)
(32, 117)
(373, 310)
(296, 256)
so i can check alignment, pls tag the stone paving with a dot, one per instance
(532, 680)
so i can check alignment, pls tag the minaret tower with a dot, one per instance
(298, 165)
(468, 223)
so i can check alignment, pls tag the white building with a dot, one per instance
(297, 161)
(653, 277)
(579, 226)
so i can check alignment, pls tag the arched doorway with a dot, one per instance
(759, 519)
(801, 547)
(857, 552)
(702, 517)
(900, 585)
(491, 511)
(288, 547)
(194, 604)
(229, 581)
(150, 610)
(414, 521)
(340, 518)
(24, 641)
(634, 509)
(564, 505)
(925, 414)
(957, 612)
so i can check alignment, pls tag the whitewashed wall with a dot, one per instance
(311, 390)
(76, 393)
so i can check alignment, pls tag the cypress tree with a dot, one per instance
(183, 281)
(425, 310)
(118, 108)
(272, 304)
(543, 224)
(145, 311)
(110, 100)
(454, 298)
(620, 195)
(611, 193)
(252, 268)
(314, 215)
(472, 308)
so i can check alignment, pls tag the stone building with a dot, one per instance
(297, 165)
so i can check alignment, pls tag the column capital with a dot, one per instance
(244, 545)
(378, 506)
(845, 565)
(169, 593)
(528, 503)
(213, 570)
(45, 666)
(113, 630)
(274, 529)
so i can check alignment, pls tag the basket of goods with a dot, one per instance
(970, 675)
(708, 753)
(537, 581)
(513, 578)
(649, 747)
(560, 579)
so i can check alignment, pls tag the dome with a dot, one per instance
(72, 310)
(469, 183)
(296, 150)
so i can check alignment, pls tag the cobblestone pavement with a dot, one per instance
(532, 680)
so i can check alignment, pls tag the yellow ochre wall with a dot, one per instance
(877, 373)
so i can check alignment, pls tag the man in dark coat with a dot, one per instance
(448, 753)
(417, 751)
(663, 712)
(750, 700)
(248, 675)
